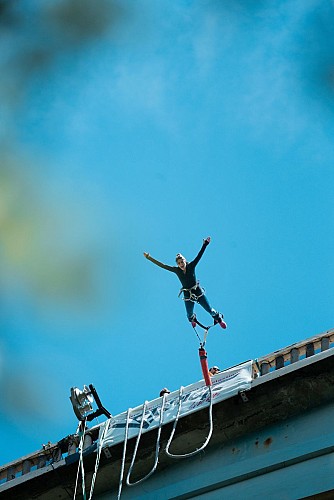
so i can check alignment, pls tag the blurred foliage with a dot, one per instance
(34, 33)
(21, 395)
(32, 241)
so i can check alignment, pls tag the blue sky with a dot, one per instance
(186, 119)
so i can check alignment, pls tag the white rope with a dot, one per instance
(157, 446)
(76, 481)
(175, 424)
(157, 449)
(81, 465)
(126, 431)
(98, 455)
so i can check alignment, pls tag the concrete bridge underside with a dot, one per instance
(276, 443)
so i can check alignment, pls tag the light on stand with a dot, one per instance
(82, 403)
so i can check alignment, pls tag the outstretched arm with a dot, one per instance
(200, 253)
(160, 264)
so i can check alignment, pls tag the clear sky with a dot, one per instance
(185, 119)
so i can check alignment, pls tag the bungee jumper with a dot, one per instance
(191, 289)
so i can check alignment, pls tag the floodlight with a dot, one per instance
(82, 403)
(83, 396)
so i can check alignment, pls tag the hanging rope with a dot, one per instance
(81, 464)
(126, 432)
(98, 455)
(157, 446)
(203, 359)
(175, 424)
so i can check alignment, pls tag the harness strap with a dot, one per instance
(192, 296)
(205, 328)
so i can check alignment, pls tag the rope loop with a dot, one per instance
(186, 455)
(157, 446)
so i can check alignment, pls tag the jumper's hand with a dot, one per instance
(207, 240)
(146, 254)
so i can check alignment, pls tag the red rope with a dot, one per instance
(204, 365)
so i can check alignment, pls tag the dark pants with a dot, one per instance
(202, 301)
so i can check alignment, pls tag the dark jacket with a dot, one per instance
(187, 278)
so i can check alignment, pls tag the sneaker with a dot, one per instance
(219, 319)
(193, 321)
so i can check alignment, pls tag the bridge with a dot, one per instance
(272, 438)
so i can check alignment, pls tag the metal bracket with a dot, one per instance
(243, 396)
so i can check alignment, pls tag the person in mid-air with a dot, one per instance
(192, 291)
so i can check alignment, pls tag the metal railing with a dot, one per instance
(293, 353)
(48, 455)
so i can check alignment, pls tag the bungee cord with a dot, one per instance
(157, 446)
(203, 360)
(186, 455)
(98, 455)
(81, 464)
(126, 432)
